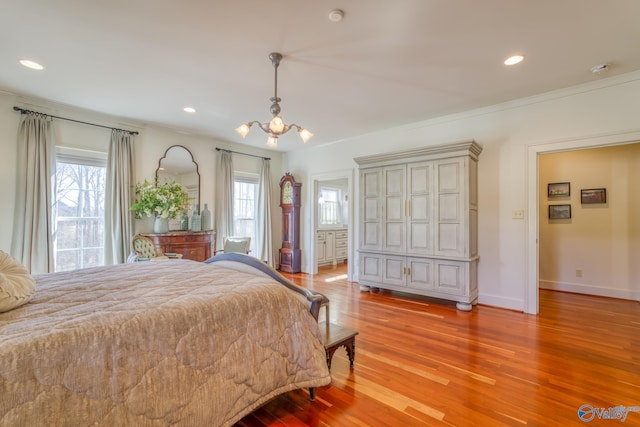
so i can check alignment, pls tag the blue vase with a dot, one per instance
(161, 225)
(205, 218)
(184, 222)
(196, 225)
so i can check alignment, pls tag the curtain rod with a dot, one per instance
(23, 111)
(243, 154)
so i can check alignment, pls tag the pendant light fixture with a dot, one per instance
(276, 126)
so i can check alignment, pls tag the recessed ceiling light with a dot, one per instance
(189, 110)
(513, 60)
(31, 64)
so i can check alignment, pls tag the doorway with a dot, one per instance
(531, 300)
(336, 215)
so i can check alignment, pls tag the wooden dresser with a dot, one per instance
(192, 245)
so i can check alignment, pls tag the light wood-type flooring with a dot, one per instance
(422, 362)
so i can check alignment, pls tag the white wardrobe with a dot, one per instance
(418, 221)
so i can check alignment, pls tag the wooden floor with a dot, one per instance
(422, 362)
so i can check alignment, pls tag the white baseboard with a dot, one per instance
(579, 288)
(501, 302)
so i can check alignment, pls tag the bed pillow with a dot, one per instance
(16, 285)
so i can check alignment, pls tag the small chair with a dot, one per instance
(235, 244)
(143, 247)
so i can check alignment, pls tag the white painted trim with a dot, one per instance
(580, 288)
(501, 302)
(531, 237)
(81, 152)
(312, 266)
(508, 105)
(531, 304)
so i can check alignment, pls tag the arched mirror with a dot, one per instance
(178, 165)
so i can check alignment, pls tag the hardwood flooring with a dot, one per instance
(422, 362)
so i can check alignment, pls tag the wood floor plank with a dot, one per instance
(420, 361)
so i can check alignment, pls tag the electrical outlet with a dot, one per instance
(578, 273)
(517, 214)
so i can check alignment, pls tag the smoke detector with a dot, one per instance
(336, 15)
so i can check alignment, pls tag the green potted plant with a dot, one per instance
(162, 201)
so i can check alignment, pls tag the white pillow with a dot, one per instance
(16, 285)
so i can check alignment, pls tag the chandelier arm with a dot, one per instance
(264, 126)
(304, 133)
(249, 124)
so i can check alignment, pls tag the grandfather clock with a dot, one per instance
(290, 255)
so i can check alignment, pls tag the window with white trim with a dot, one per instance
(329, 206)
(245, 204)
(78, 214)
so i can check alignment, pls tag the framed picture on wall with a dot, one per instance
(593, 195)
(559, 211)
(559, 189)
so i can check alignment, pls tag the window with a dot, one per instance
(329, 208)
(245, 193)
(78, 215)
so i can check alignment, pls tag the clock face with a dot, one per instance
(287, 193)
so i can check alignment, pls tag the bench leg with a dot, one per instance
(350, 346)
(312, 393)
(330, 352)
(351, 351)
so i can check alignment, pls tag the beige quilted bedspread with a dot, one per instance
(154, 344)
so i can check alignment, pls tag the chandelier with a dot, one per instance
(276, 126)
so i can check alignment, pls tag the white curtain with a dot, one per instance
(224, 197)
(264, 243)
(119, 196)
(32, 240)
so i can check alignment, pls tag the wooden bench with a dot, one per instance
(336, 336)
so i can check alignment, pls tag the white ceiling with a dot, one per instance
(388, 63)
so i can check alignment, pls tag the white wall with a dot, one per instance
(597, 250)
(150, 146)
(8, 159)
(507, 132)
(605, 110)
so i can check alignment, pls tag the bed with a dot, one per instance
(173, 342)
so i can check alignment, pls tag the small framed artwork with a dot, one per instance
(593, 195)
(559, 211)
(559, 189)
